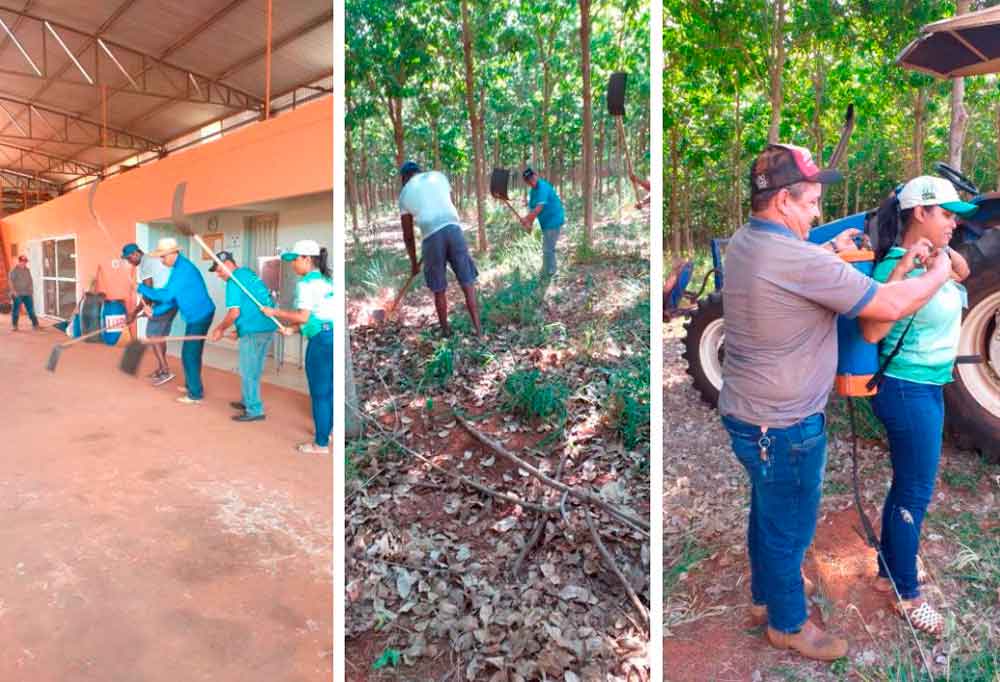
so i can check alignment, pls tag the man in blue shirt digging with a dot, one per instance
(547, 207)
(255, 330)
(186, 290)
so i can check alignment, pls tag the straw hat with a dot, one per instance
(165, 246)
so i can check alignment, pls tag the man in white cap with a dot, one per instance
(186, 290)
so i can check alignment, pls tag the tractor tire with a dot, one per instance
(972, 401)
(704, 347)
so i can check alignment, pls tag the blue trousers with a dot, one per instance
(549, 239)
(29, 307)
(785, 491)
(191, 352)
(913, 415)
(319, 373)
(253, 354)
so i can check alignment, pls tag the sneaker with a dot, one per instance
(237, 405)
(163, 378)
(185, 400)
(311, 448)
(13, 329)
(248, 417)
(182, 389)
(154, 375)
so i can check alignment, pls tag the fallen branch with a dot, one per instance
(540, 521)
(485, 489)
(584, 495)
(610, 561)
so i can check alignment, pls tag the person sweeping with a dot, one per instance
(314, 314)
(185, 289)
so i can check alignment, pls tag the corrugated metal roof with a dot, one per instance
(190, 64)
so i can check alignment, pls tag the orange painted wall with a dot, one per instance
(287, 156)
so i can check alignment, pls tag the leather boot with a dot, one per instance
(810, 642)
(758, 612)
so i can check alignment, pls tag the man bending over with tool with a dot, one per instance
(152, 273)
(425, 199)
(547, 207)
(186, 290)
(782, 295)
(254, 329)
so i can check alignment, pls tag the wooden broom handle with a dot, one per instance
(218, 263)
(402, 292)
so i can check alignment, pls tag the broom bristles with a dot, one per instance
(132, 357)
(54, 358)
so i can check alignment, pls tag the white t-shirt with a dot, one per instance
(150, 266)
(427, 197)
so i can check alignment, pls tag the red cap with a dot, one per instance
(781, 165)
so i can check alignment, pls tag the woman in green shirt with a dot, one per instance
(314, 314)
(910, 403)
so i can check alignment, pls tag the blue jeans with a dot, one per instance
(913, 415)
(319, 372)
(29, 307)
(191, 352)
(253, 354)
(784, 500)
(549, 239)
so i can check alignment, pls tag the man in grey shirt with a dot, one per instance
(22, 290)
(782, 296)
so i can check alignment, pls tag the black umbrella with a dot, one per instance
(966, 45)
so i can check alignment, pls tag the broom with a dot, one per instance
(182, 224)
(57, 350)
(134, 352)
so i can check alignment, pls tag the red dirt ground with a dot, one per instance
(843, 568)
(147, 540)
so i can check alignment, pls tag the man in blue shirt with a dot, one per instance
(254, 329)
(547, 207)
(186, 290)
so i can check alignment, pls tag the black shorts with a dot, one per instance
(160, 325)
(447, 246)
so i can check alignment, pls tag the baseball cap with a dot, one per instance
(528, 172)
(929, 190)
(129, 249)
(781, 165)
(303, 247)
(407, 168)
(224, 256)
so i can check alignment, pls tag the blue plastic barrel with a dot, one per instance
(857, 360)
(113, 320)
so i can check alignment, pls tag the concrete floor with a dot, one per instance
(143, 540)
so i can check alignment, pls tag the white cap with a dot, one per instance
(928, 190)
(303, 247)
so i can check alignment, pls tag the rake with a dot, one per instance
(134, 352)
(57, 350)
(499, 182)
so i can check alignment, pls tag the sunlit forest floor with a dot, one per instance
(706, 591)
(561, 380)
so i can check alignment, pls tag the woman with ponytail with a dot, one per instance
(916, 358)
(314, 314)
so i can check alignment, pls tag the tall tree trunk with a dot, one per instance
(675, 224)
(352, 188)
(998, 147)
(775, 68)
(919, 125)
(959, 116)
(395, 105)
(588, 126)
(476, 124)
(352, 420)
(600, 156)
(819, 84)
(847, 191)
(736, 209)
(546, 99)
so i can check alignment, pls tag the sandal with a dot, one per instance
(922, 615)
(311, 448)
